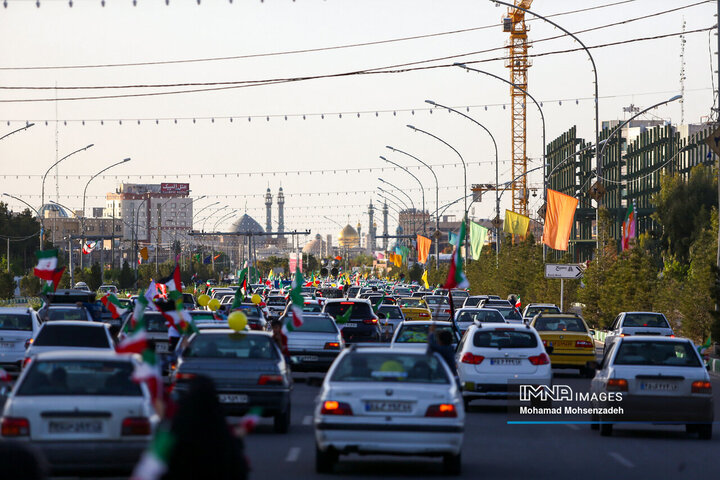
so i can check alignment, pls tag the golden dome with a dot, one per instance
(348, 237)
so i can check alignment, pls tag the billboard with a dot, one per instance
(177, 188)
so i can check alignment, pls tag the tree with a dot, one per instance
(30, 286)
(7, 285)
(126, 279)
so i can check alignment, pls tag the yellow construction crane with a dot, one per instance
(518, 63)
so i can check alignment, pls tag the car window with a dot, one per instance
(200, 316)
(66, 314)
(508, 313)
(390, 367)
(419, 333)
(504, 339)
(359, 310)
(231, 345)
(532, 311)
(277, 301)
(436, 300)
(156, 322)
(554, 324)
(472, 302)
(483, 316)
(312, 308)
(71, 336)
(317, 324)
(675, 354)
(80, 377)
(250, 310)
(15, 321)
(654, 320)
(412, 302)
(390, 312)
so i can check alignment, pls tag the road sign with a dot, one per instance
(563, 270)
(496, 222)
(713, 141)
(597, 191)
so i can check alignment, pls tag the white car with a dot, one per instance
(467, 316)
(660, 379)
(81, 410)
(389, 401)
(18, 326)
(638, 323)
(491, 359)
(70, 335)
(533, 309)
(414, 332)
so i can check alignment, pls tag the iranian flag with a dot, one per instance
(111, 302)
(628, 226)
(88, 247)
(47, 264)
(456, 277)
(154, 461)
(518, 303)
(136, 342)
(296, 319)
(173, 283)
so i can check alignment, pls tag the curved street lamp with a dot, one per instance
(42, 224)
(422, 188)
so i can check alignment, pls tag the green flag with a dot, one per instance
(341, 319)
(377, 305)
(478, 235)
(702, 348)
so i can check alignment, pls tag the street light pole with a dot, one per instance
(85, 196)
(42, 224)
(401, 201)
(497, 169)
(437, 201)
(464, 174)
(422, 188)
(18, 130)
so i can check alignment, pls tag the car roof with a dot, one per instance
(638, 338)
(97, 354)
(77, 323)
(428, 322)
(419, 349)
(345, 300)
(218, 331)
(15, 309)
(540, 305)
(644, 313)
(503, 326)
(559, 315)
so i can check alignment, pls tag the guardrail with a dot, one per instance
(19, 301)
(600, 336)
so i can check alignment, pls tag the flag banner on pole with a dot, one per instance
(144, 253)
(88, 247)
(452, 239)
(423, 248)
(173, 284)
(456, 277)
(113, 305)
(628, 226)
(559, 215)
(515, 223)
(296, 317)
(47, 264)
(478, 235)
(425, 280)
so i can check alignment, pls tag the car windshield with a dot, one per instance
(231, 345)
(508, 313)
(72, 336)
(473, 301)
(402, 291)
(487, 316)
(15, 321)
(419, 333)
(80, 377)
(412, 302)
(390, 312)
(277, 301)
(504, 339)
(654, 320)
(436, 300)
(312, 308)
(555, 324)
(360, 310)
(317, 324)
(390, 367)
(671, 354)
(250, 310)
(532, 311)
(72, 313)
(201, 316)
(460, 294)
(156, 322)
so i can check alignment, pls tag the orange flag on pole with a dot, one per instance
(423, 248)
(559, 215)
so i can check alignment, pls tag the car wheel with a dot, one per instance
(324, 461)
(281, 421)
(606, 429)
(704, 431)
(466, 402)
(594, 425)
(691, 428)
(452, 464)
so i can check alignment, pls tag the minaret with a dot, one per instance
(359, 230)
(281, 213)
(268, 211)
(371, 228)
(385, 225)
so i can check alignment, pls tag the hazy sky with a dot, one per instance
(639, 73)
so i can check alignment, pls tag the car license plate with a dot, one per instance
(658, 386)
(307, 358)
(561, 343)
(231, 398)
(6, 345)
(81, 426)
(349, 325)
(504, 361)
(162, 347)
(383, 406)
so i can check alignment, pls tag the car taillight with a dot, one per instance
(270, 380)
(446, 410)
(332, 345)
(423, 314)
(617, 385)
(583, 344)
(136, 426)
(447, 310)
(624, 334)
(541, 359)
(701, 387)
(15, 427)
(184, 376)
(370, 321)
(671, 335)
(28, 342)
(472, 359)
(26, 361)
(331, 407)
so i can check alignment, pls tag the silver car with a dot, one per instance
(465, 317)
(638, 323)
(81, 410)
(18, 326)
(315, 344)
(390, 316)
(439, 306)
(70, 335)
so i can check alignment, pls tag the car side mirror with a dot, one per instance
(592, 333)
(549, 349)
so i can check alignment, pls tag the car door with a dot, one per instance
(613, 331)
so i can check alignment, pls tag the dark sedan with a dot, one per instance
(248, 370)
